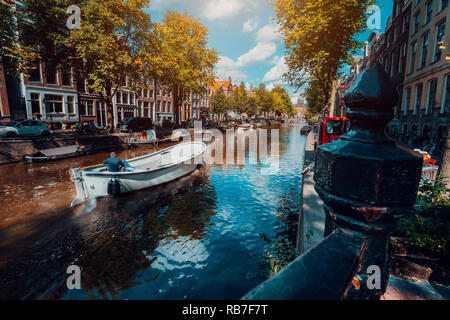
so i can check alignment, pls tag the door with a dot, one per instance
(25, 128)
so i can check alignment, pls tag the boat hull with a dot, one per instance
(95, 185)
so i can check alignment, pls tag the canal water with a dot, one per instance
(190, 239)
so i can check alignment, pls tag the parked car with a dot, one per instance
(137, 125)
(33, 128)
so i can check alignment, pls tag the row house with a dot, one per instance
(394, 53)
(426, 96)
(227, 87)
(410, 51)
(200, 106)
(50, 93)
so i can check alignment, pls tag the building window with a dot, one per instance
(416, 22)
(440, 33)
(35, 74)
(35, 103)
(82, 108)
(90, 86)
(429, 11)
(431, 100)
(444, 4)
(405, 25)
(146, 114)
(446, 95)
(164, 106)
(425, 42)
(66, 73)
(413, 57)
(145, 93)
(53, 103)
(419, 88)
(70, 105)
(50, 73)
(169, 106)
(90, 108)
(125, 98)
(407, 101)
(118, 97)
(124, 81)
(151, 94)
(131, 98)
(158, 106)
(393, 57)
(402, 59)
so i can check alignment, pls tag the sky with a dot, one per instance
(245, 35)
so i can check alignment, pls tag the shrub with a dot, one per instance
(278, 253)
(428, 227)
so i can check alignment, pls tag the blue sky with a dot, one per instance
(244, 34)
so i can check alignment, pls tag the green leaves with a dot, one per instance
(220, 103)
(278, 253)
(428, 228)
(180, 56)
(319, 37)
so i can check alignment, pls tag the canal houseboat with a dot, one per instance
(143, 172)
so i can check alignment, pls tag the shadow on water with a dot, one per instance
(188, 239)
(110, 239)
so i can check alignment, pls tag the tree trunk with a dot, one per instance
(110, 112)
(109, 106)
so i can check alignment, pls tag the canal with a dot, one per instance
(190, 239)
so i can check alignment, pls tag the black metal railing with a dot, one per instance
(367, 182)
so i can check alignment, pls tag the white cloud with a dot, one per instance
(270, 86)
(259, 53)
(277, 71)
(250, 25)
(217, 9)
(226, 67)
(268, 33)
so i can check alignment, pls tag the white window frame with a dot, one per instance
(444, 91)
(436, 39)
(417, 106)
(405, 104)
(427, 107)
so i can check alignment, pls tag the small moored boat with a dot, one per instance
(57, 153)
(143, 172)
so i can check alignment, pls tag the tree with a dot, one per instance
(316, 98)
(264, 99)
(239, 99)
(182, 59)
(286, 103)
(251, 109)
(220, 103)
(110, 44)
(16, 55)
(319, 37)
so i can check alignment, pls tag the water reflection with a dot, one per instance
(189, 239)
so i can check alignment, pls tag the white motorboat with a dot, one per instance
(143, 172)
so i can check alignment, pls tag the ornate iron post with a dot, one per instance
(367, 181)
